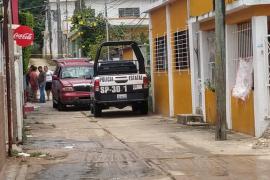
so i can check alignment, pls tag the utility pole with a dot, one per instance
(8, 75)
(67, 43)
(107, 28)
(220, 66)
(59, 31)
(49, 17)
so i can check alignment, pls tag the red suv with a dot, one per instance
(71, 83)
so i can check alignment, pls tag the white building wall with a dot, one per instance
(259, 33)
(204, 60)
(195, 67)
(230, 70)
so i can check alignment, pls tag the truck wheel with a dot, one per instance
(60, 106)
(54, 105)
(135, 107)
(144, 108)
(97, 110)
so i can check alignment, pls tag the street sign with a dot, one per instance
(24, 36)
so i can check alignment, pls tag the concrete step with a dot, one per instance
(189, 118)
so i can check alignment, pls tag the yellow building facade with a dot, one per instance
(182, 39)
(171, 72)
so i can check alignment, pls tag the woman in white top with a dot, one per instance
(48, 86)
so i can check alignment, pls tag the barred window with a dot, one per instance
(129, 12)
(181, 50)
(161, 54)
(245, 47)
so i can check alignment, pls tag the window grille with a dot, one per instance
(161, 64)
(181, 50)
(242, 45)
(245, 49)
(242, 51)
(129, 12)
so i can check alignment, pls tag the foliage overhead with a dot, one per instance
(28, 20)
(91, 28)
(37, 8)
(92, 31)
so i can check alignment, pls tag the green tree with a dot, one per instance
(91, 29)
(38, 9)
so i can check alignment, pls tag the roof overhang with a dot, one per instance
(230, 8)
(158, 4)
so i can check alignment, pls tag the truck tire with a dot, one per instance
(60, 106)
(135, 108)
(97, 110)
(144, 108)
(54, 103)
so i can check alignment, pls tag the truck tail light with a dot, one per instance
(97, 85)
(145, 83)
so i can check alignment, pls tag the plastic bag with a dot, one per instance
(244, 79)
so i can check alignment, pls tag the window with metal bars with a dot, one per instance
(181, 50)
(245, 48)
(161, 54)
(242, 51)
(129, 12)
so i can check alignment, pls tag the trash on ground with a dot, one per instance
(24, 154)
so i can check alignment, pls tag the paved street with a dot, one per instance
(122, 145)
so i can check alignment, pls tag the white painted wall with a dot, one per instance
(204, 66)
(18, 64)
(194, 66)
(170, 62)
(99, 6)
(230, 69)
(259, 32)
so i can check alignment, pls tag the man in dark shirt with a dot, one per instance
(41, 83)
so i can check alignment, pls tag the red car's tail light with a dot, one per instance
(97, 85)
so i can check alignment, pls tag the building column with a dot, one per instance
(230, 70)
(170, 62)
(194, 65)
(204, 66)
(152, 62)
(259, 33)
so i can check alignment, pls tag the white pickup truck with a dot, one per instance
(121, 82)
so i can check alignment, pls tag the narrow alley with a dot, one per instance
(73, 145)
(134, 90)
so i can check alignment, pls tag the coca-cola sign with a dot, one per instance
(23, 36)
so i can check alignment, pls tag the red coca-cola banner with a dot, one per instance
(24, 36)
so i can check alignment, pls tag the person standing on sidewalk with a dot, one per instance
(33, 81)
(48, 86)
(41, 83)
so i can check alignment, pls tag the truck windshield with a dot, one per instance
(84, 72)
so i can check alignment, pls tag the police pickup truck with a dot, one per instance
(119, 82)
